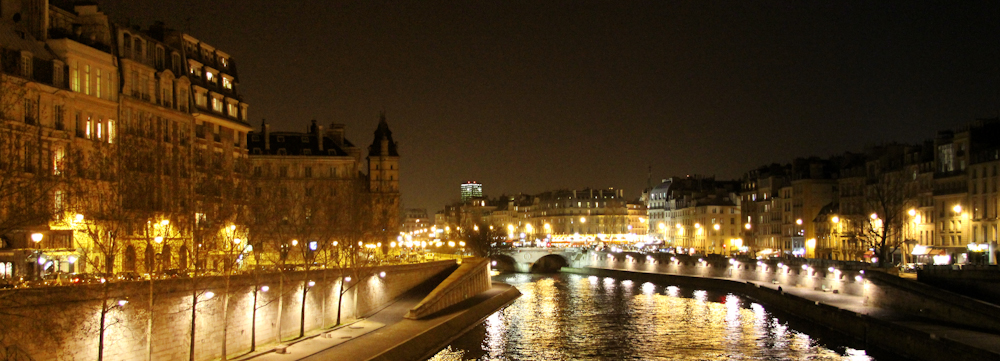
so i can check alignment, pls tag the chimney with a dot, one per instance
(336, 132)
(319, 137)
(266, 128)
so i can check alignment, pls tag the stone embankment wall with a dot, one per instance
(63, 323)
(877, 288)
(888, 336)
(470, 279)
(981, 282)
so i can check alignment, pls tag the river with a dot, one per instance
(575, 317)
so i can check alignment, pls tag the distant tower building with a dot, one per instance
(471, 190)
(383, 174)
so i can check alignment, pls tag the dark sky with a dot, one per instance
(529, 96)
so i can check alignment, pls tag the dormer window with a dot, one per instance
(224, 62)
(26, 64)
(227, 82)
(210, 77)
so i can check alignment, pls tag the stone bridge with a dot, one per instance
(527, 259)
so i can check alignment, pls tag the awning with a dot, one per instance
(920, 250)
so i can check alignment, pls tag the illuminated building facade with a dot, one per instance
(471, 190)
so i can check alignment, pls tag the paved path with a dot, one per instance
(368, 338)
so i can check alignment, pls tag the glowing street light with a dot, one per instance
(37, 237)
(166, 222)
(957, 208)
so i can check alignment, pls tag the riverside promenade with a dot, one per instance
(387, 335)
(897, 332)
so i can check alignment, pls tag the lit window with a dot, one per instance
(216, 105)
(86, 79)
(98, 89)
(226, 83)
(209, 76)
(88, 127)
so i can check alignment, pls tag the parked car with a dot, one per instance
(84, 278)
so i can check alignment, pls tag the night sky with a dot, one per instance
(529, 96)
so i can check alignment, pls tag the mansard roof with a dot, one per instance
(295, 143)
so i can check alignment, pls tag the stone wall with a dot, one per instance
(470, 279)
(878, 289)
(884, 335)
(64, 322)
(981, 282)
(844, 277)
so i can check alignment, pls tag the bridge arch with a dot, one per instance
(504, 263)
(549, 263)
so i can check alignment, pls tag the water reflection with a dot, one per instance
(572, 317)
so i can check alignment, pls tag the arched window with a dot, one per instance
(182, 258)
(129, 259)
(150, 259)
(165, 257)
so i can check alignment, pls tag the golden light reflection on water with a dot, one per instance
(571, 317)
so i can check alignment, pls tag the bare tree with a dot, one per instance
(886, 202)
(484, 241)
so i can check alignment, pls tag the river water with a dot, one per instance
(574, 317)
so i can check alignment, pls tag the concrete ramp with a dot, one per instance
(471, 278)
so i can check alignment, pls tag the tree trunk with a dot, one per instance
(194, 305)
(302, 310)
(225, 317)
(104, 313)
(253, 321)
(149, 322)
(281, 302)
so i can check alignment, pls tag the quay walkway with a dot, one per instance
(387, 335)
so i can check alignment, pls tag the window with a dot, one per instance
(75, 78)
(226, 83)
(309, 171)
(175, 62)
(88, 127)
(231, 109)
(97, 90)
(216, 104)
(210, 77)
(200, 99)
(224, 62)
(159, 57)
(57, 74)
(26, 65)
(127, 42)
(283, 170)
(138, 51)
(29, 111)
(86, 79)
(57, 116)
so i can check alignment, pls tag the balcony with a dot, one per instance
(30, 121)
